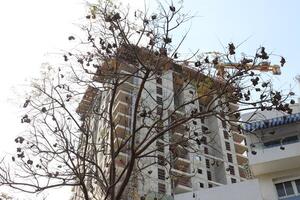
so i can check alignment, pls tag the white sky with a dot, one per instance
(34, 30)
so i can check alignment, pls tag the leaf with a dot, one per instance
(29, 162)
(172, 8)
(231, 48)
(26, 103)
(44, 110)
(71, 38)
(282, 61)
(197, 64)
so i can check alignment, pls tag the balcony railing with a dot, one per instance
(183, 181)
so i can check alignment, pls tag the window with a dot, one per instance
(191, 92)
(199, 171)
(278, 142)
(161, 174)
(233, 180)
(229, 157)
(227, 145)
(203, 120)
(284, 189)
(198, 158)
(159, 111)
(209, 175)
(203, 140)
(161, 160)
(298, 185)
(201, 108)
(194, 122)
(160, 147)
(288, 189)
(205, 150)
(210, 185)
(161, 188)
(223, 124)
(207, 163)
(158, 80)
(159, 100)
(226, 135)
(158, 90)
(201, 185)
(231, 170)
(204, 129)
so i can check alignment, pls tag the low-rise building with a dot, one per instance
(273, 139)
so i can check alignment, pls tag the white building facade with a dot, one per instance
(221, 157)
(273, 140)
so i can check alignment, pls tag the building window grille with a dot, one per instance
(161, 188)
(204, 129)
(233, 180)
(201, 108)
(207, 163)
(223, 124)
(158, 80)
(227, 145)
(204, 140)
(201, 185)
(205, 150)
(160, 147)
(288, 189)
(202, 120)
(159, 111)
(226, 135)
(231, 170)
(199, 171)
(161, 160)
(297, 182)
(209, 175)
(278, 142)
(159, 90)
(229, 157)
(159, 100)
(161, 174)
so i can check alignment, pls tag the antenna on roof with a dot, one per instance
(298, 79)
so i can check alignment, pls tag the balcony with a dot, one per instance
(181, 130)
(124, 97)
(121, 132)
(121, 160)
(182, 166)
(240, 148)
(122, 108)
(241, 159)
(182, 185)
(237, 137)
(243, 172)
(214, 184)
(274, 158)
(122, 121)
(182, 155)
(179, 138)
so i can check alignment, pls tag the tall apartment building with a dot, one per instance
(220, 159)
(273, 139)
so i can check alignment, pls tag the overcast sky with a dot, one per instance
(33, 31)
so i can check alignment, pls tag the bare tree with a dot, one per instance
(81, 145)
